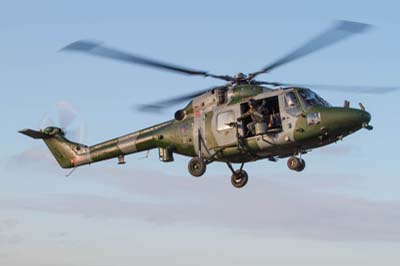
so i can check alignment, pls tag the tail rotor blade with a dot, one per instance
(66, 113)
(46, 122)
(78, 134)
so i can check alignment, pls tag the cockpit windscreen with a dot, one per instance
(310, 98)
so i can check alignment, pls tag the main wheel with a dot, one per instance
(294, 163)
(239, 178)
(302, 166)
(197, 167)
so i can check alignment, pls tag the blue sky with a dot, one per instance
(344, 208)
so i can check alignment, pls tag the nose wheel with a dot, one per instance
(296, 164)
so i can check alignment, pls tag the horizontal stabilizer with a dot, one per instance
(34, 134)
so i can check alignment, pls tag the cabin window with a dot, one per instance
(221, 96)
(224, 119)
(292, 104)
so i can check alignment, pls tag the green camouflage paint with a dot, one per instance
(178, 135)
(336, 123)
(241, 92)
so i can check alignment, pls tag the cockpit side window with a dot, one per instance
(292, 104)
(220, 95)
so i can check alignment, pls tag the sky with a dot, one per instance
(344, 208)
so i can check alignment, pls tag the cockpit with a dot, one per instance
(310, 98)
(301, 99)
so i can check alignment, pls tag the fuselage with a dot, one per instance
(295, 121)
(303, 121)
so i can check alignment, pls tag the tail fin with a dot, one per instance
(67, 153)
(33, 133)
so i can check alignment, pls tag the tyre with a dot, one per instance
(302, 165)
(197, 167)
(294, 163)
(239, 178)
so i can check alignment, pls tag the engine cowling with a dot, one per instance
(180, 114)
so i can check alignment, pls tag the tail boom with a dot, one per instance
(71, 154)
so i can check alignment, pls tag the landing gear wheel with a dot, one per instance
(293, 163)
(302, 165)
(239, 178)
(197, 167)
(296, 164)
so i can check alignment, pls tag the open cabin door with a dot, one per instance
(267, 119)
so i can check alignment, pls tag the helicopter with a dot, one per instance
(244, 120)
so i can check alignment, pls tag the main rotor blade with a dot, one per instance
(340, 31)
(158, 106)
(98, 49)
(344, 88)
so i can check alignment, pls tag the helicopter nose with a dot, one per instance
(355, 118)
(365, 117)
(332, 123)
(346, 120)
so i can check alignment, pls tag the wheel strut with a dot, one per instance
(239, 177)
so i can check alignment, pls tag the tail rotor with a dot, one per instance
(67, 117)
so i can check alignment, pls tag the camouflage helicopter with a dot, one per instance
(242, 121)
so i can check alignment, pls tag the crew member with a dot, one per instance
(256, 117)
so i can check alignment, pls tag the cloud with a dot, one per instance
(32, 158)
(268, 209)
(263, 207)
(7, 232)
(9, 223)
(337, 150)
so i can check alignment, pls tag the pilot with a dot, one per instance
(253, 112)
